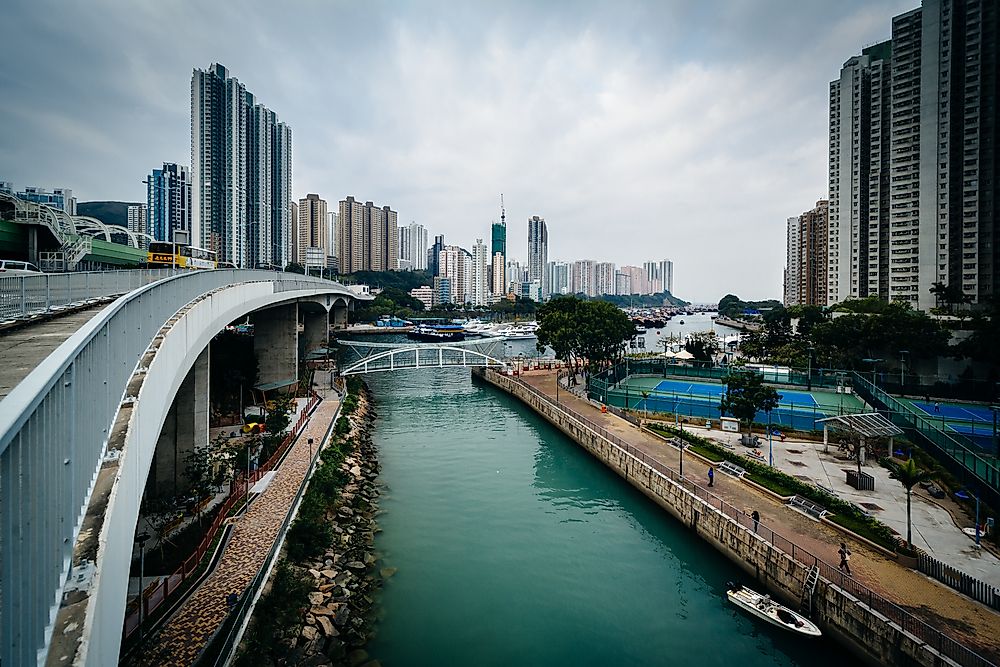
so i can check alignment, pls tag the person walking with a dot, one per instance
(937, 406)
(711, 476)
(845, 558)
(755, 515)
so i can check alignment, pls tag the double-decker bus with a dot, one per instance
(180, 255)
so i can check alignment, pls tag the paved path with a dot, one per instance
(185, 635)
(25, 347)
(967, 621)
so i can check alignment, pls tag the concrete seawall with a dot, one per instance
(873, 637)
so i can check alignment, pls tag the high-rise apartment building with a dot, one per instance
(455, 264)
(498, 275)
(913, 168)
(241, 173)
(582, 277)
(479, 280)
(168, 202)
(137, 223)
(604, 278)
(434, 253)
(623, 283)
(558, 278)
(350, 236)
(666, 272)
(538, 252)
(413, 246)
(367, 237)
(638, 283)
(313, 240)
(806, 265)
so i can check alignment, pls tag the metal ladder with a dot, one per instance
(808, 589)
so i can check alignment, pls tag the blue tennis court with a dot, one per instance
(965, 413)
(800, 398)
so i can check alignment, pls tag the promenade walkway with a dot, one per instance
(186, 634)
(967, 621)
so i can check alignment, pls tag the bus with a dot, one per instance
(180, 255)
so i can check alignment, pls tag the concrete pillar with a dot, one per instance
(315, 331)
(275, 342)
(339, 316)
(185, 428)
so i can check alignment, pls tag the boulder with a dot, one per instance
(321, 611)
(316, 598)
(309, 633)
(329, 574)
(327, 627)
(387, 572)
(356, 565)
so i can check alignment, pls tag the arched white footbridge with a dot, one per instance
(77, 438)
(385, 357)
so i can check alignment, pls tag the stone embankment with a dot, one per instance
(337, 622)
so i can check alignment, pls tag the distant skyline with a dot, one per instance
(638, 130)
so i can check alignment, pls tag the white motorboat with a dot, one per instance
(523, 331)
(763, 607)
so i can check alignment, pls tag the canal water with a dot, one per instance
(514, 547)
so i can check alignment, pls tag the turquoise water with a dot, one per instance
(514, 547)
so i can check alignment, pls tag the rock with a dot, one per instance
(387, 572)
(310, 619)
(357, 657)
(321, 611)
(316, 598)
(327, 627)
(356, 471)
(329, 574)
(369, 559)
(314, 573)
(328, 562)
(326, 587)
(309, 633)
(355, 565)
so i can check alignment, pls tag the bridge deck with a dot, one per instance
(24, 348)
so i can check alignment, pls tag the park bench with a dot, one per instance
(807, 507)
(731, 468)
(827, 490)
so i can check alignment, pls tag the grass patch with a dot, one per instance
(707, 453)
(845, 514)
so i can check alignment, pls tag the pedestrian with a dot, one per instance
(845, 558)
(231, 600)
(711, 476)
(937, 407)
(755, 515)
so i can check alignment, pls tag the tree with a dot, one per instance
(746, 395)
(909, 475)
(703, 346)
(575, 329)
(950, 295)
(295, 267)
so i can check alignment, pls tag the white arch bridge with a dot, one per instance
(384, 357)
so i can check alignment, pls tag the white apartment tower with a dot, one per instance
(479, 281)
(538, 252)
(413, 246)
(241, 172)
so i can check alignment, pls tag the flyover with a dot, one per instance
(78, 436)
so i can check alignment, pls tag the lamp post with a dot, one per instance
(809, 372)
(874, 363)
(770, 444)
(902, 369)
(310, 441)
(141, 539)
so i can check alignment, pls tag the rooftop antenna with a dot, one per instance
(503, 213)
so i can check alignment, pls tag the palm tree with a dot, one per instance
(909, 475)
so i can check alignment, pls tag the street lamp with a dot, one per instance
(809, 372)
(310, 441)
(902, 367)
(873, 362)
(141, 539)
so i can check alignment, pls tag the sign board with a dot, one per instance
(730, 424)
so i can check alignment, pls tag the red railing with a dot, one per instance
(160, 590)
(833, 575)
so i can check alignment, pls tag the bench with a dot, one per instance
(827, 490)
(807, 507)
(731, 468)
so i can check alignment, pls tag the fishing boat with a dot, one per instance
(437, 333)
(764, 608)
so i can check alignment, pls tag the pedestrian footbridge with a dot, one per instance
(386, 357)
(79, 432)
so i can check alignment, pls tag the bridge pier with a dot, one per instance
(339, 315)
(315, 330)
(275, 343)
(185, 427)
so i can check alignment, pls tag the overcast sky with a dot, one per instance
(638, 130)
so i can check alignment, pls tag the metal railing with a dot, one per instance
(54, 427)
(25, 296)
(960, 581)
(159, 591)
(833, 575)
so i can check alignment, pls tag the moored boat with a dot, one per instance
(764, 608)
(437, 333)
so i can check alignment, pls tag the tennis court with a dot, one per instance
(796, 409)
(973, 421)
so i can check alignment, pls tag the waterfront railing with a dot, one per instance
(909, 623)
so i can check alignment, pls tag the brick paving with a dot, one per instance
(187, 633)
(960, 617)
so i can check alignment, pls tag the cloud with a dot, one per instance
(639, 130)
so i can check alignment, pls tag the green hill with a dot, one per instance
(108, 212)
